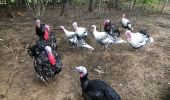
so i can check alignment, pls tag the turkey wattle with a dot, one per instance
(138, 39)
(95, 89)
(43, 31)
(106, 39)
(75, 40)
(81, 31)
(111, 29)
(126, 23)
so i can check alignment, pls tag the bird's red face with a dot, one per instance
(51, 57)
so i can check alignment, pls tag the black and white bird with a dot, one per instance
(138, 39)
(95, 89)
(47, 63)
(81, 31)
(106, 39)
(44, 33)
(75, 40)
(126, 23)
(111, 28)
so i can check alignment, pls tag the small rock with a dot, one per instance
(21, 61)
(2, 96)
(11, 15)
(100, 72)
(19, 14)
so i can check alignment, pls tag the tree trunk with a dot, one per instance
(116, 4)
(90, 9)
(110, 4)
(113, 4)
(133, 5)
(96, 3)
(64, 10)
(163, 7)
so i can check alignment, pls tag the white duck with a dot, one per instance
(75, 40)
(104, 38)
(81, 31)
(138, 39)
(126, 23)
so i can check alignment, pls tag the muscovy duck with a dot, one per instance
(95, 89)
(106, 39)
(111, 29)
(43, 31)
(75, 40)
(47, 62)
(138, 39)
(126, 23)
(81, 31)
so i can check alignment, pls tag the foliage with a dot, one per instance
(148, 2)
(79, 2)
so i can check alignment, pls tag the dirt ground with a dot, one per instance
(142, 74)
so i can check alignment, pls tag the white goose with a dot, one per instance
(81, 31)
(104, 38)
(138, 39)
(75, 40)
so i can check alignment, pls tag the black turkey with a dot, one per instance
(47, 62)
(36, 49)
(95, 89)
(111, 28)
(43, 32)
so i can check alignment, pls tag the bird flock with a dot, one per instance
(48, 63)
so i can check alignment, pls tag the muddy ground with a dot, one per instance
(142, 74)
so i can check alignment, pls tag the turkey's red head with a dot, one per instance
(47, 31)
(51, 57)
